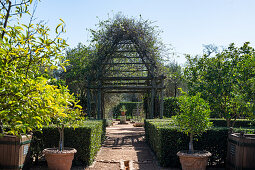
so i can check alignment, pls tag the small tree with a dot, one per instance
(193, 118)
(65, 111)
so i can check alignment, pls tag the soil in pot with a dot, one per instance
(59, 160)
(195, 161)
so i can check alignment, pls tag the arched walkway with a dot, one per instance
(126, 61)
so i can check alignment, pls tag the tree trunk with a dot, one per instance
(191, 148)
(61, 138)
(228, 122)
(175, 89)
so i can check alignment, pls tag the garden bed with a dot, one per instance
(86, 139)
(165, 141)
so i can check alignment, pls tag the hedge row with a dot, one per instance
(166, 141)
(86, 139)
(238, 123)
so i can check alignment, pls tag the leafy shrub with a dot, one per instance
(166, 141)
(171, 106)
(86, 139)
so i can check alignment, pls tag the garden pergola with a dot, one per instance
(125, 62)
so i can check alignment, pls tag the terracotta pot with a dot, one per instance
(196, 161)
(59, 160)
(123, 113)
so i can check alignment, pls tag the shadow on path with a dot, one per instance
(125, 143)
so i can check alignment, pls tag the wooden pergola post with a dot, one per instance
(162, 98)
(88, 102)
(99, 103)
(102, 106)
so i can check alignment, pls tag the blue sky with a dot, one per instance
(186, 24)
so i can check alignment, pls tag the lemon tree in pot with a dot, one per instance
(123, 114)
(123, 110)
(193, 119)
(65, 112)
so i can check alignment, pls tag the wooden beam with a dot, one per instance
(126, 71)
(126, 91)
(127, 87)
(126, 57)
(128, 83)
(126, 78)
(126, 51)
(124, 63)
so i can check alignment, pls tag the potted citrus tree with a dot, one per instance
(65, 112)
(193, 120)
(123, 114)
(123, 110)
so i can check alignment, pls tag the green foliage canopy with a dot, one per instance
(194, 115)
(193, 118)
(225, 80)
(28, 101)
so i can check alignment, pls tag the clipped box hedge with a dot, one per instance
(238, 122)
(86, 139)
(166, 141)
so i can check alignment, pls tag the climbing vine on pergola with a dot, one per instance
(126, 60)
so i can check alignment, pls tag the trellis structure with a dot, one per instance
(125, 62)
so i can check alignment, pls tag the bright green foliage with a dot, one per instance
(226, 81)
(27, 99)
(76, 73)
(193, 118)
(194, 115)
(123, 108)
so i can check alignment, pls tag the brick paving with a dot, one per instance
(124, 142)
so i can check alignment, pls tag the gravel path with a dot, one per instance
(124, 143)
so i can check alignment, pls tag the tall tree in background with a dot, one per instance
(174, 80)
(225, 81)
(75, 76)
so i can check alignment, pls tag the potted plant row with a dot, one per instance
(193, 120)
